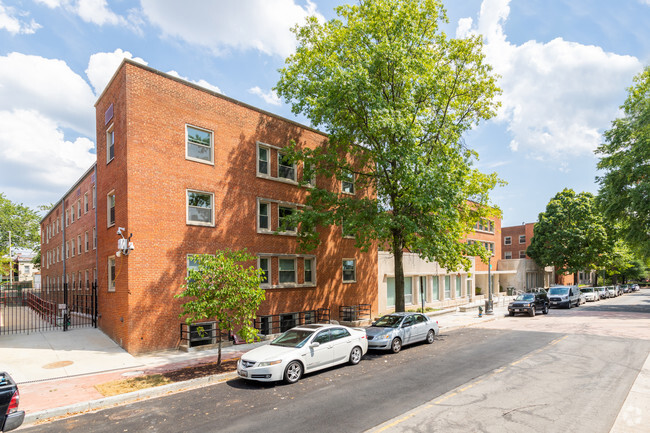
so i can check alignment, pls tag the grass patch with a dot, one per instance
(133, 384)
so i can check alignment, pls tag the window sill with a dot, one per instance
(198, 224)
(349, 282)
(199, 160)
(277, 179)
(291, 286)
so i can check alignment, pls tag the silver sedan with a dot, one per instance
(392, 331)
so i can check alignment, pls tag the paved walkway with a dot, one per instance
(57, 371)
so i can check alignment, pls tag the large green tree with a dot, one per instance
(570, 234)
(221, 288)
(395, 95)
(21, 224)
(625, 158)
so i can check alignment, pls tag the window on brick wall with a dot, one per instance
(286, 169)
(67, 218)
(72, 248)
(347, 183)
(94, 196)
(309, 270)
(522, 239)
(507, 255)
(522, 254)
(78, 209)
(71, 214)
(349, 271)
(86, 281)
(110, 209)
(79, 244)
(264, 216)
(110, 144)
(86, 205)
(94, 238)
(308, 176)
(287, 271)
(86, 242)
(263, 158)
(507, 240)
(199, 144)
(111, 274)
(284, 225)
(200, 208)
(265, 265)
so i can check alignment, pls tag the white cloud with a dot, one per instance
(201, 82)
(34, 150)
(102, 66)
(48, 86)
(91, 11)
(10, 20)
(558, 96)
(269, 97)
(219, 26)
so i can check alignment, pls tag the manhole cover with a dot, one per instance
(58, 364)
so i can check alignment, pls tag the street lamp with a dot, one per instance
(488, 304)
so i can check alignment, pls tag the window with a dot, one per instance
(522, 254)
(423, 289)
(507, 240)
(263, 220)
(86, 203)
(283, 215)
(94, 238)
(322, 337)
(338, 333)
(86, 243)
(192, 264)
(507, 255)
(72, 247)
(287, 271)
(347, 183)
(408, 291)
(110, 209)
(198, 144)
(264, 266)
(349, 271)
(522, 239)
(308, 176)
(263, 160)
(67, 250)
(390, 292)
(458, 287)
(286, 169)
(447, 287)
(94, 196)
(86, 279)
(309, 272)
(111, 274)
(78, 209)
(71, 214)
(79, 244)
(199, 208)
(110, 144)
(435, 288)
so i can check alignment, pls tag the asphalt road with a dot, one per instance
(568, 371)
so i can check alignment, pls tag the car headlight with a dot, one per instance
(384, 336)
(267, 363)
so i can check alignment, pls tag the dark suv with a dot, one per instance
(529, 303)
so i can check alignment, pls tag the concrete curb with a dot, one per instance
(116, 400)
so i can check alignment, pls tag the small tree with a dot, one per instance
(223, 289)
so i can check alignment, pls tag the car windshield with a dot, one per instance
(292, 338)
(388, 321)
(525, 297)
(558, 291)
(587, 290)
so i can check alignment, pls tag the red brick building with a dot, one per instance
(189, 171)
(516, 240)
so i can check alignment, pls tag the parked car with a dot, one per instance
(603, 292)
(303, 349)
(10, 417)
(529, 303)
(564, 296)
(591, 294)
(636, 287)
(613, 292)
(392, 331)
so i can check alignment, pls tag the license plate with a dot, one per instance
(517, 310)
(243, 373)
(553, 303)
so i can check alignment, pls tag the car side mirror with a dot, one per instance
(314, 344)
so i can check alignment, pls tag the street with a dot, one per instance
(568, 371)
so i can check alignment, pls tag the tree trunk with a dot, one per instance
(575, 279)
(596, 279)
(398, 256)
(219, 337)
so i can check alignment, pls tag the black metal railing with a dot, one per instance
(277, 323)
(199, 334)
(351, 313)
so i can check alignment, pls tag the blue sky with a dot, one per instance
(564, 66)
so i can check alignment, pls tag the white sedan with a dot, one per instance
(303, 349)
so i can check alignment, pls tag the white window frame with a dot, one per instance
(94, 196)
(187, 264)
(293, 168)
(108, 208)
(311, 269)
(520, 239)
(79, 209)
(522, 254)
(67, 217)
(187, 144)
(261, 229)
(110, 137)
(311, 181)
(111, 280)
(354, 263)
(187, 208)
(507, 255)
(295, 272)
(71, 214)
(94, 238)
(350, 182)
(280, 230)
(86, 207)
(507, 240)
(268, 270)
(79, 244)
(86, 242)
(268, 160)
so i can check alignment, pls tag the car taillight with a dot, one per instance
(13, 405)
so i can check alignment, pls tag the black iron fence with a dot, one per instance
(351, 313)
(26, 309)
(277, 323)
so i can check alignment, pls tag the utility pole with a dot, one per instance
(11, 264)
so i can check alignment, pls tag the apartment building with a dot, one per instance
(187, 171)
(528, 274)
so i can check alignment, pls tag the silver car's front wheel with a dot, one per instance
(355, 355)
(293, 372)
(431, 336)
(396, 345)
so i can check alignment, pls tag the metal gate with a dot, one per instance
(26, 309)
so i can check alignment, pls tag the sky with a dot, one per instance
(564, 67)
